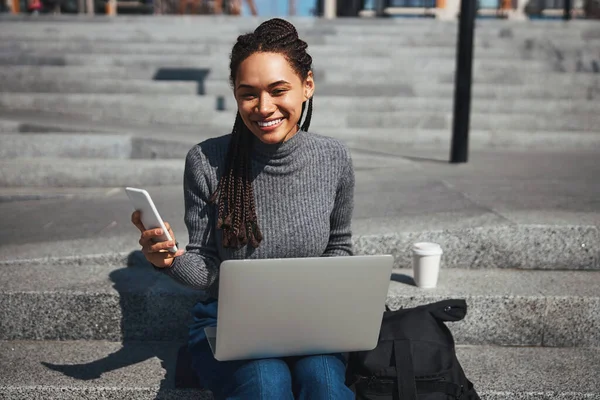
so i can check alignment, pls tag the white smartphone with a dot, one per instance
(151, 219)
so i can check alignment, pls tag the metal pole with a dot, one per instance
(567, 10)
(462, 87)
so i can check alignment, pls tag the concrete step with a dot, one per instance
(215, 26)
(9, 126)
(424, 87)
(382, 140)
(80, 164)
(140, 371)
(118, 302)
(88, 145)
(185, 109)
(198, 111)
(478, 121)
(510, 77)
(450, 37)
(116, 86)
(397, 141)
(86, 172)
(516, 41)
(156, 146)
(96, 222)
(221, 62)
(211, 28)
(62, 83)
(346, 104)
(13, 124)
(328, 104)
(506, 210)
(485, 50)
(187, 29)
(402, 38)
(66, 145)
(133, 371)
(42, 122)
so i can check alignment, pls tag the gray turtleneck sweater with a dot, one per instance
(304, 190)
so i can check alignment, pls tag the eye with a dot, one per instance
(279, 92)
(247, 96)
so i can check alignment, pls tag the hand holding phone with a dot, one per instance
(158, 241)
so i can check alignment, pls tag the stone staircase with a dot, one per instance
(88, 106)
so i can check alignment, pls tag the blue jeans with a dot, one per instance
(309, 377)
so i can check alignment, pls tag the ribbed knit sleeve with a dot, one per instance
(340, 234)
(198, 267)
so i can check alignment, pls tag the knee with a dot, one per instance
(322, 373)
(273, 373)
(261, 379)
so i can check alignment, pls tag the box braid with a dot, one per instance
(234, 195)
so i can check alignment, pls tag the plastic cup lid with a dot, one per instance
(427, 249)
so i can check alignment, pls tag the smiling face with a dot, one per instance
(269, 95)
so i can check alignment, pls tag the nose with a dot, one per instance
(265, 106)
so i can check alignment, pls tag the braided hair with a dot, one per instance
(234, 194)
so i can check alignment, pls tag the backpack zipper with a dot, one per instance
(438, 377)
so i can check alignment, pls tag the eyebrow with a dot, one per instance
(272, 85)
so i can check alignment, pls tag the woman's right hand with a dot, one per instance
(156, 252)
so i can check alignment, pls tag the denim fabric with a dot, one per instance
(307, 377)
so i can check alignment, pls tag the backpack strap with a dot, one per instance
(405, 374)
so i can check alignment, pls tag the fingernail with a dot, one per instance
(158, 231)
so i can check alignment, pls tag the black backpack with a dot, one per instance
(414, 359)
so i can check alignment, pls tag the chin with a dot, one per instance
(270, 138)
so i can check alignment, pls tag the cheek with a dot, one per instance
(245, 108)
(294, 104)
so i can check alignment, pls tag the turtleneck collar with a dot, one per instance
(277, 151)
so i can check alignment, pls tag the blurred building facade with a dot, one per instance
(443, 9)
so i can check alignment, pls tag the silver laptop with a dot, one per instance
(299, 306)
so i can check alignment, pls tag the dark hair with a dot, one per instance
(234, 195)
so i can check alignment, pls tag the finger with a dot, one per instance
(168, 226)
(172, 235)
(145, 242)
(179, 252)
(152, 233)
(136, 219)
(171, 256)
(162, 246)
(164, 259)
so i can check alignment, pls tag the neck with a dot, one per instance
(291, 133)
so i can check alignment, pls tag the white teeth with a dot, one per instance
(270, 123)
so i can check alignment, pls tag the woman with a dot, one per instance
(269, 189)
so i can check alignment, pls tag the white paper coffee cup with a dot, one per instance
(426, 264)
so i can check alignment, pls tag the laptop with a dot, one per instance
(299, 306)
